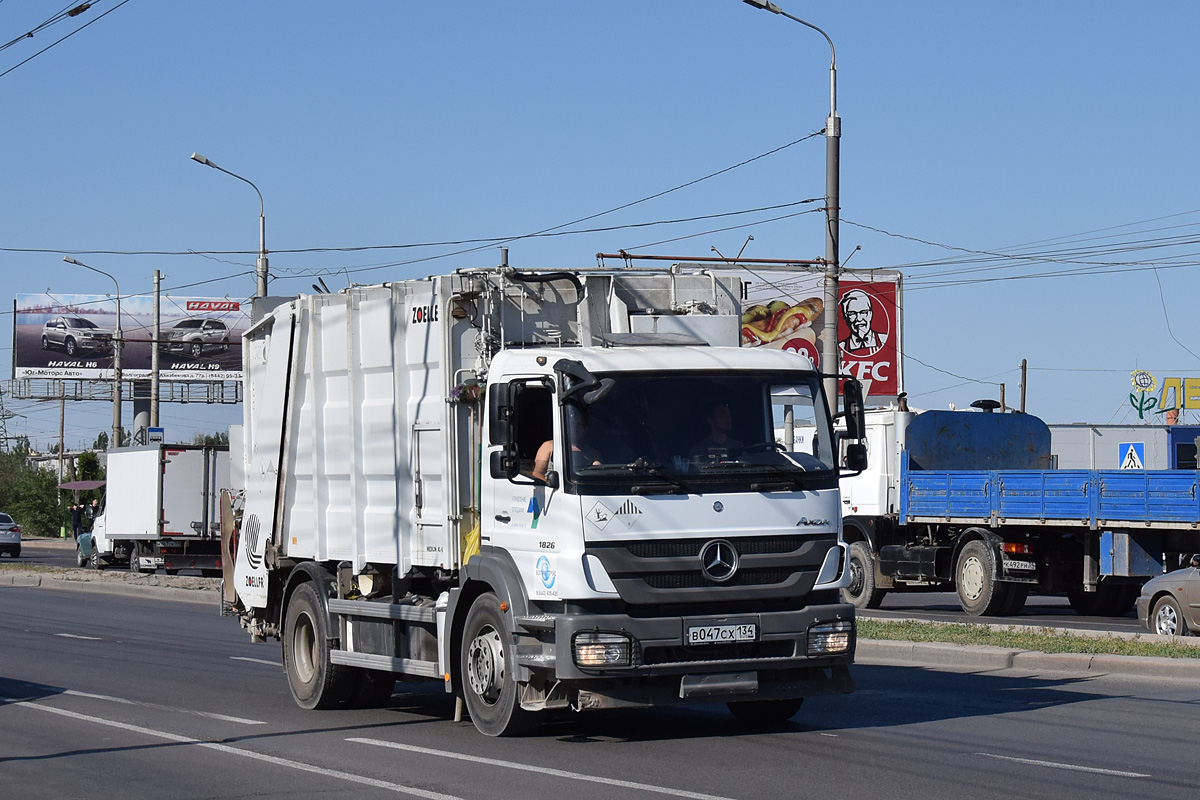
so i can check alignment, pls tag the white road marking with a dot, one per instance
(76, 636)
(224, 748)
(256, 660)
(1074, 767)
(558, 773)
(143, 704)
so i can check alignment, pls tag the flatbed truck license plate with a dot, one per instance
(722, 634)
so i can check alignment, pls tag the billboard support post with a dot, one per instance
(154, 350)
(118, 343)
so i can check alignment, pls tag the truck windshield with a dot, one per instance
(702, 432)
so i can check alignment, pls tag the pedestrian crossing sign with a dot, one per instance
(1133, 455)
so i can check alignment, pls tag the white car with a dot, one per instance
(10, 536)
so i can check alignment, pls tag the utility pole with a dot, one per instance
(62, 418)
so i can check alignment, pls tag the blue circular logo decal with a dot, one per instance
(544, 572)
(718, 506)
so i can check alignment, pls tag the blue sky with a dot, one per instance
(973, 127)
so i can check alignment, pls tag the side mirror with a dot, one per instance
(499, 414)
(852, 397)
(1196, 561)
(856, 457)
(503, 464)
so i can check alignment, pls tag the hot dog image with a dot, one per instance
(763, 324)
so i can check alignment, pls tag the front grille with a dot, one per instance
(691, 547)
(669, 571)
(695, 580)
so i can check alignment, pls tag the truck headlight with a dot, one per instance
(830, 637)
(595, 649)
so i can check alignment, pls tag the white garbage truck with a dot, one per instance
(546, 490)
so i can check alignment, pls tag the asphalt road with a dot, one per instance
(118, 697)
(1052, 612)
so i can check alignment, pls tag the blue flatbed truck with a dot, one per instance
(968, 501)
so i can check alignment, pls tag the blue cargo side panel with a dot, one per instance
(1151, 496)
(1044, 495)
(934, 493)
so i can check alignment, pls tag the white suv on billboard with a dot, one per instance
(75, 333)
(194, 337)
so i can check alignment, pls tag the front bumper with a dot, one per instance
(660, 649)
(1143, 610)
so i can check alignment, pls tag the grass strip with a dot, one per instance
(1042, 640)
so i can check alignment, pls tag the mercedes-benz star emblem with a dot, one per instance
(718, 560)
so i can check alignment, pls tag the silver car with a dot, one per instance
(74, 334)
(194, 337)
(10, 536)
(1170, 604)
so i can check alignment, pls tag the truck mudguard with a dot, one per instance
(311, 571)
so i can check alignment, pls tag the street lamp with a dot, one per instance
(833, 135)
(260, 267)
(118, 345)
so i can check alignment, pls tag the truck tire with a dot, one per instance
(80, 559)
(979, 593)
(487, 668)
(1166, 618)
(315, 681)
(861, 593)
(134, 552)
(764, 712)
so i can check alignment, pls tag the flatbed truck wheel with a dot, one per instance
(487, 666)
(315, 681)
(861, 593)
(979, 593)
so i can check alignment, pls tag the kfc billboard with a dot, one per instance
(785, 310)
(72, 336)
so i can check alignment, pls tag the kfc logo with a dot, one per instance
(866, 335)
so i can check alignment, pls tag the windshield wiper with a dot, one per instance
(656, 471)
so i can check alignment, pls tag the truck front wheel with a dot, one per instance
(315, 681)
(979, 593)
(487, 668)
(861, 593)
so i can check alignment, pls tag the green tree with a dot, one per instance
(217, 438)
(29, 494)
(101, 442)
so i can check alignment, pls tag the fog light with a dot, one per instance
(830, 637)
(594, 649)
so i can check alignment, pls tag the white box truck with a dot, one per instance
(546, 490)
(161, 510)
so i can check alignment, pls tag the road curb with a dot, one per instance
(205, 596)
(933, 655)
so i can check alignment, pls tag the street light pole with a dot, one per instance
(118, 345)
(833, 137)
(260, 267)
